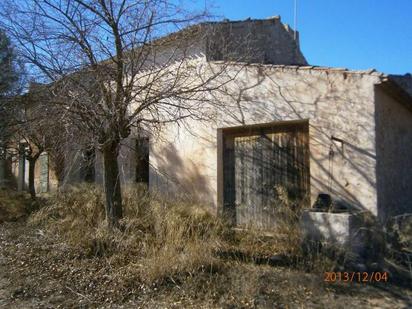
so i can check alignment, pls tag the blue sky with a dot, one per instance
(355, 34)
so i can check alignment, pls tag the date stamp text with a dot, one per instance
(360, 277)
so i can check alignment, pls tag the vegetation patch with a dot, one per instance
(157, 240)
(165, 253)
(15, 205)
(162, 240)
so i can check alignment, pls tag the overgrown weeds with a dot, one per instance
(162, 239)
(398, 240)
(15, 205)
(165, 237)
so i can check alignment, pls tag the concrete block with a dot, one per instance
(336, 229)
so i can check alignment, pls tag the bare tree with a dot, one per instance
(11, 77)
(33, 125)
(111, 69)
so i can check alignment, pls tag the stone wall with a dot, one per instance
(254, 41)
(347, 118)
(337, 103)
(393, 156)
(52, 179)
(261, 41)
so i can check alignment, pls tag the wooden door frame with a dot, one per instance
(226, 134)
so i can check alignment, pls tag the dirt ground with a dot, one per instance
(39, 272)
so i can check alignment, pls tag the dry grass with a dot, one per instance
(164, 239)
(284, 238)
(399, 231)
(171, 252)
(169, 238)
(14, 205)
(398, 241)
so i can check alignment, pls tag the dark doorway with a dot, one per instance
(142, 160)
(88, 170)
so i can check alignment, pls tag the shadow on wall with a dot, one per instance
(7, 177)
(394, 156)
(335, 180)
(174, 175)
(354, 237)
(336, 105)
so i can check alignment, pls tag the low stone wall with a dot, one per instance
(343, 233)
(338, 229)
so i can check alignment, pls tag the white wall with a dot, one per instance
(337, 103)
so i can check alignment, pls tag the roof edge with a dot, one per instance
(372, 72)
(396, 91)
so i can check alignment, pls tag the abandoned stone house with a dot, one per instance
(284, 124)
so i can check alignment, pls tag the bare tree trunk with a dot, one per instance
(112, 187)
(3, 167)
(88, 169)
(3, 177)
(32, 165)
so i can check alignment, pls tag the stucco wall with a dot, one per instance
(269, 40)
(336, 102)
(394, 156)
(126, 159)
(52, 177)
